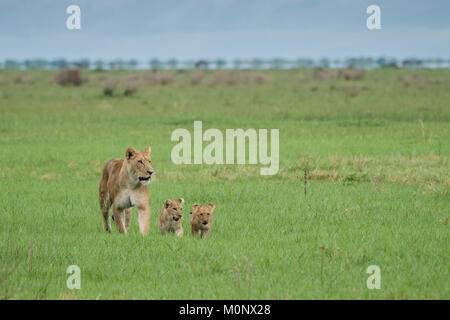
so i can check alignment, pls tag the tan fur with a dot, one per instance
(201, 220)
(170, 217)
(124, 184)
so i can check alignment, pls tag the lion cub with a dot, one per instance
(170, 217)
(201, 219)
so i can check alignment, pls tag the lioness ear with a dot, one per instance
(212, 206)
(130, 153)
(181, 200)
(148, 150)
(167, 203)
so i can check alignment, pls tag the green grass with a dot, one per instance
(377, 194)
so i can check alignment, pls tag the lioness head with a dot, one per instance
(174, 208)
(139, 164)
(202, 215)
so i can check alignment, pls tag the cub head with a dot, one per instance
(202, 215)
(139, 164)
(174, 208)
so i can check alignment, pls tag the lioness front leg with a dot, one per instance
(144, 218)
(128, 213)
(119, 219)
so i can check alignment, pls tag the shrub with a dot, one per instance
(159, 77)
(197, 77)
(320, 73)
(260, 78)
(19, 80)
(132, 85)
(109, 86)
(351, 74)
(221, 77)
(69, 77)
(414, 79)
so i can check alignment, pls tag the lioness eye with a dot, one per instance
(140, 161)
(175, 209)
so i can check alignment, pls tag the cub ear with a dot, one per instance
(194, 206)
(212, 206)
(167, 203)
(130, 153)
(180, 201)
(148, 150)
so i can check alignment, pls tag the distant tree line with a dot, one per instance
(255, 63)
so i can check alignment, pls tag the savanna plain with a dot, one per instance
(375, 149)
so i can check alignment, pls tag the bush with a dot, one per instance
(351, 74)
(132, 85)
(109, 86)
(69, 77)
(220, 77)
(197, 77)
(323, 74)
(159, 77)
(260, 78)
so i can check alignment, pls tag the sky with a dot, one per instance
(210, 29)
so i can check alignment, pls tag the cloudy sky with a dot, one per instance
(191, 29)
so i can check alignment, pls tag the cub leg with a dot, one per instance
(179, 232)
(206, 233)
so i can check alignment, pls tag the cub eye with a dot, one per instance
(140, 161)
(201, 214)
(175, 209)
(208, 213)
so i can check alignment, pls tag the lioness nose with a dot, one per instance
(150, 172)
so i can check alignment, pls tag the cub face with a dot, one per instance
(202, 215)
(139, 164)
(174, 209)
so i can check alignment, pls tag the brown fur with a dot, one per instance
(201, 220)
(170, 217)
(124, 184)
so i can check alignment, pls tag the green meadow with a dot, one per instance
(376, 152)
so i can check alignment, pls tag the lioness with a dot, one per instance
(201, 219)
(124, 184)
(170, 217)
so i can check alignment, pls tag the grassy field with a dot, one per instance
(378, 156)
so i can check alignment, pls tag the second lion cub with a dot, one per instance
(170, 217)
(201, 220)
